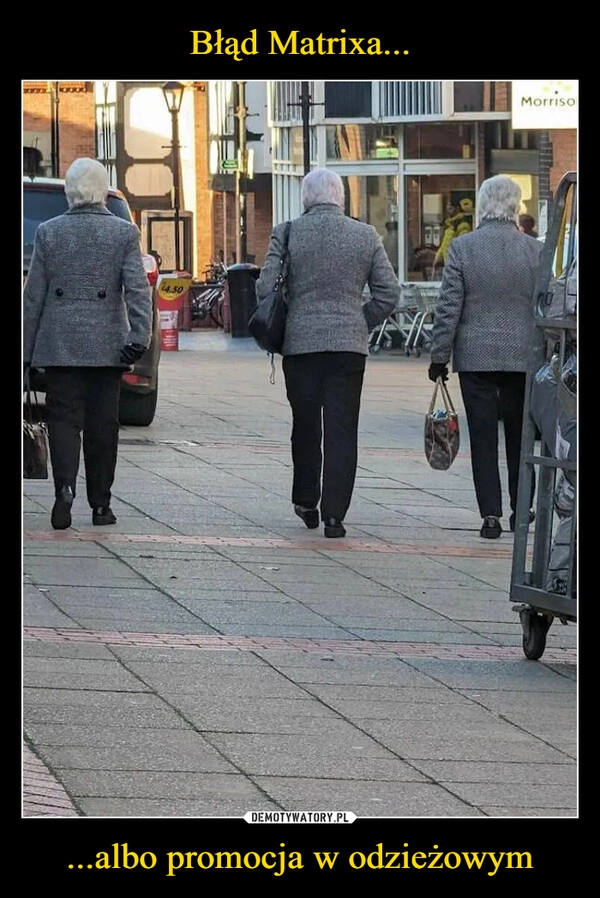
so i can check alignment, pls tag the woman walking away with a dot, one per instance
(484, 320)
(332, 259)
(87, 317)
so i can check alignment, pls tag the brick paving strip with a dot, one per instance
(438, 651)
(43, 795)
(345, 545)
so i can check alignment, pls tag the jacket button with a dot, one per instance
(101, 294)
(60, 291)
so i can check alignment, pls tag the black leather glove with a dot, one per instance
(438, 369)
(131, 352)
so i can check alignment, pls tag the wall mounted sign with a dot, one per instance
(547, 105)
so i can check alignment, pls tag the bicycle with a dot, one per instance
(207, 296)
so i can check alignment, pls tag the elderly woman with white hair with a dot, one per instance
(484, 321)
(87, 316)
(332, 259)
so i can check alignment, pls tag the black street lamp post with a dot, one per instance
(305, 103)
(53, 87)
(173, 94)
(241, 113)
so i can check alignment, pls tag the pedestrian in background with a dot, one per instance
(332, 259)
(459, 221)
(87, 316)
(527, 224)
(484, 321)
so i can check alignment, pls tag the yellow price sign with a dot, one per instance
(172, 288)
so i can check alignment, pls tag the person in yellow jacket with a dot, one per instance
(458, 222)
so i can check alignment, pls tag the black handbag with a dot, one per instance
(267, 322)
(35, 440)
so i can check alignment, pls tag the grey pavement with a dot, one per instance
(210, 657)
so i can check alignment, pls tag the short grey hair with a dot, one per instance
(499, 199)
(86, 181)
(322, 186)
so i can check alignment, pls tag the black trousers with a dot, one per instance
(84, 401)
(484, 394)
(324, 390)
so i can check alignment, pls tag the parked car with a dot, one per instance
(44, 198)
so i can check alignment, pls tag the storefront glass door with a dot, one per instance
(438, 209)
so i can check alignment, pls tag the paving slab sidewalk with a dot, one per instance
(208, 656)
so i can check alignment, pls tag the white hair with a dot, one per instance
(86, 181)
(321, 185)
(499, 199)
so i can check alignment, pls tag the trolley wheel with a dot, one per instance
(535, 628)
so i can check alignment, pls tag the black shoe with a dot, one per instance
(61, 510)
(491, 528)
(310, 516)
(334, 527)
(102, 516)
(511, 520)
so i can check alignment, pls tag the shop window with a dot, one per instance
(438, 209)
(468, 96)
(356, 142)
(440, 140)
(374, 200)
(481, 96)
(348, 99)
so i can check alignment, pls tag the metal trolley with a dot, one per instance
(406, 326)
(425, 297)
(544, 565)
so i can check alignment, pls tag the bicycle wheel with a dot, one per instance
(202, 297)
(216, 310)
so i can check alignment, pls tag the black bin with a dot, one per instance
(241, 279)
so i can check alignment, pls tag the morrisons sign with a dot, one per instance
(547, 105)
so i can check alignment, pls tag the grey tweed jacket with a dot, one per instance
(484, 311)
(87, 290)
(332, 259)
